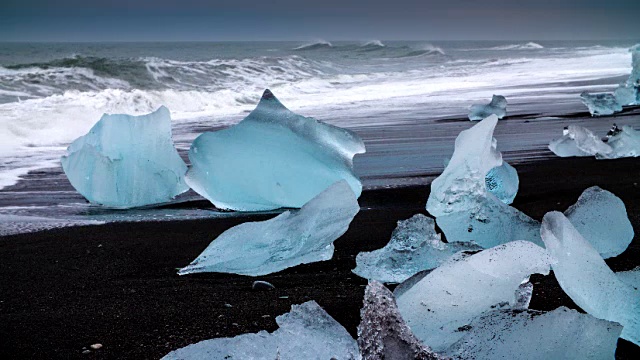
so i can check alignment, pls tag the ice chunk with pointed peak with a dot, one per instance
(306, 332)
(460, 202)
(503, 182)
(291, 238)
(601, 218)
(127, 161)
(586, 278)
(382, 333)
(624, 142)
(272, 159)
(531, 334)
(578, 141)
(450, 296)
(497, 106)
(631, 277)
(600, 103)
(414, 246)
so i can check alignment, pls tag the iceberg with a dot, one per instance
(382, 333)
(600, 103)
(578, 141)
(449, 297)
(289, 239)
(127, 161)
(586, 278)
(272, 159)
(497, 106)
(414, 246)
(601, 218)
(624, 142)
(306, 332)
(531, 334)
(463, 207)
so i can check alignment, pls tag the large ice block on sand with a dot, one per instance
(272, 159)
(601, 218)
(586, 278)
(127, 161)
(624, 142)
(600, 103)
(578, 141)
(453, 294)
(414, 246)
(531, 334)
(497, 106)
(463, 207)
(382, 333)
(306, 332)
(289, 239)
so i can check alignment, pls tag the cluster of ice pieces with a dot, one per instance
(127, 161)
(628, 93)
(289, 239)
(497, 106)
(580, 141)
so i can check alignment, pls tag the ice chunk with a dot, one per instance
(452, 295)
(600, 103)
(382, 333)
(634, 78)
(414, 246)
(497, 106)
(578, 141)
(127, 161)
(524, 293)
(586, 278)
(626, 95)
(631, 277)
(306, 332)
(289, 239)
(272, 159)
(531, 334)
(601, 218)
(460, 202)
(503, 182)
(624, 142)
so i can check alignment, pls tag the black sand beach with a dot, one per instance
(116, 284)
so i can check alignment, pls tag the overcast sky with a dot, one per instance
(219, 20)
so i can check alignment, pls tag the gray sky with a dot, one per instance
(170, 20)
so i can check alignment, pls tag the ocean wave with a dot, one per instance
(421, 50)
(375, 44)
(317, 44)
(527, 46)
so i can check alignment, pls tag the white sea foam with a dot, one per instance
(527, 46)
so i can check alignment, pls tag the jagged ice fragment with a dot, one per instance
(600, 103)
(624, 142)
(497, 106)
(578, 141)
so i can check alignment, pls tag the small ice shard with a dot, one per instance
(601, 218)
(262, 285)
(531, 334)
(127, 161)
(503, 182)
(414, 246)
(306, 332)
(524, 293)
(578, 141)
(497, 106)
(463, 207)
(586, 278)
(382, 333)
(289, 239)
(631, 277)
(600, 103)
(449, 297)
(272, 159)
(624, 142)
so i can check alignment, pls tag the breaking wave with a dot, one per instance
(527, 46)
(318, 44)
(375, 44)
(422, 50)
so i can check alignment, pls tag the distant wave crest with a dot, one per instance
(317, 44)
(373, 44)
(527, 46)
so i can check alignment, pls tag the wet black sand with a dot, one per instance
(116, 284)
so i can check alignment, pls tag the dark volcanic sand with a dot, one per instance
(116, 284)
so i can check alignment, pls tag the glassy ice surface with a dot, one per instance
(626, 95)
(127, 161)
(272, 159)
(460, 202)
(453, 294)
(625, 142)
(306, 332)
(503, 182)
(631, 277)
(578, 141)
(497, 106)
(289, 239)
(600, 103)
(531, 334)
(414, 246)
(382, 333)
(601, 218)
(586, 278)
(524, 293)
